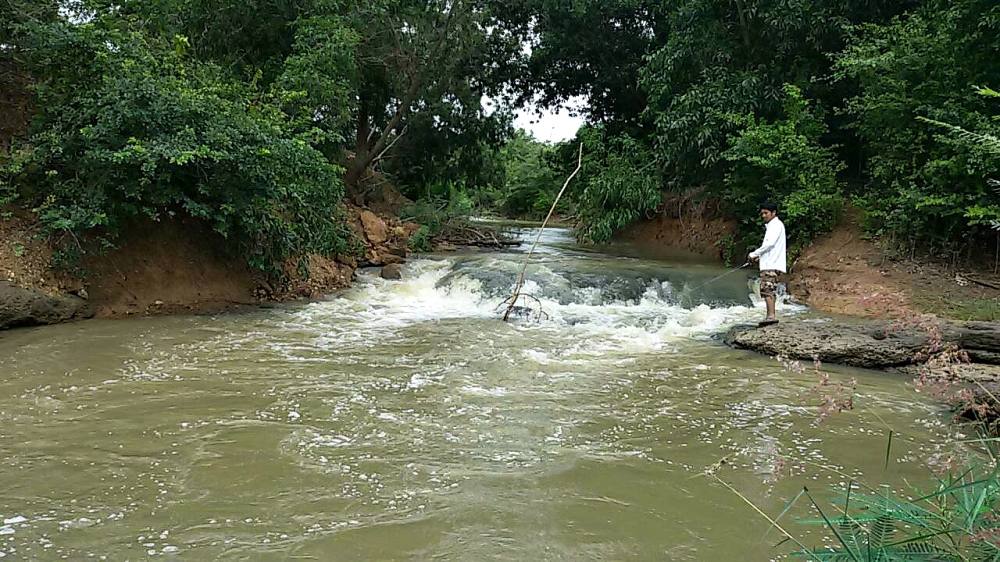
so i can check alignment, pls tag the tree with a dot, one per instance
(593, 49)
(436, 58)
(736, 56)
(130, 126)
(924, 184)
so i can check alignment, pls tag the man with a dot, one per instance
(772, 258)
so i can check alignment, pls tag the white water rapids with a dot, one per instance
(404, 421)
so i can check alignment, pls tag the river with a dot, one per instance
(403, 421)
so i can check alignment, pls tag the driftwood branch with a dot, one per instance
(983, 283)
(516, 295)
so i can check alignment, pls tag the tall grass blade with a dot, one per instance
(888, 451)
(832, 527)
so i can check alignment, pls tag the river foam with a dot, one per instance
(602, 310)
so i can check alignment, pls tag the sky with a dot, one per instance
(550, 125)
(547, 125)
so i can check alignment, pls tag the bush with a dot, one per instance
(783, 161)
(928, 185)
(530, 183)
(619, 184)
(129, 127)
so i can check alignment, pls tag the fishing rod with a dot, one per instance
(726, 274)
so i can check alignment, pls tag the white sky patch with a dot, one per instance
(555, 125)
(547, 125)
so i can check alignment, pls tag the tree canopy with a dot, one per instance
(710, 90)
(258, 115)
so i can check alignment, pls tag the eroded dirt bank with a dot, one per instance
(693, 231)
(841, 272)
(175, 266)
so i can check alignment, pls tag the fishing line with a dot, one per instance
(714, 279)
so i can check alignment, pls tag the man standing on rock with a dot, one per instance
(772, 258)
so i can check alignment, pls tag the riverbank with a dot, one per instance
(874, 344)
(173, 266)
(958, 362)
(843, 272)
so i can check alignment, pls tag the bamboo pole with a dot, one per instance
(516, 295)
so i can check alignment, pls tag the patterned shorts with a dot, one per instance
(769, 279)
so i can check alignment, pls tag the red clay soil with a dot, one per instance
(694, 234)
(844, 273)
(167, 267)
(25, 258)
(182, 266)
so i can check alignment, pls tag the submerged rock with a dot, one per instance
(29, 307)
(392, 272)
(869, 344)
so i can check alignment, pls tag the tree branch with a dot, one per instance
(512, 301)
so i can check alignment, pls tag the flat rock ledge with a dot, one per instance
(868, 344)
(29, 307)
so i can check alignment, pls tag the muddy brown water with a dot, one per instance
(402, 421)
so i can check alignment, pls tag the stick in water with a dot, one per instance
(512, 301)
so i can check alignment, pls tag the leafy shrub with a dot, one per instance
(434, 213)
(131, 127)
(531, 183)
(928, 184)
(955, 521)
(619, 184)
(783, 161)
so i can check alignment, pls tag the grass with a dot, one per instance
(961, 308)
(955, 520)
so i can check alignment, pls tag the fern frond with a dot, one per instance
(985, 141)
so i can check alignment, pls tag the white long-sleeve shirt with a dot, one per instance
(772, 252)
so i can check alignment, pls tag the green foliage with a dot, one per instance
(130, 126)
(249, 115)
(929, 133)
(619, 184)
(734, 57)
(530, 181)
(956, 521)
(421, 240)
(783, 161)
(316, 83)
(588, 48)
(444, 204)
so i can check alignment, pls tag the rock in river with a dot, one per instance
(868, 344)
(28, 307)
(393, 272)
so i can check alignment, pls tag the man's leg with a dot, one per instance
(768, 290)
(770, 307)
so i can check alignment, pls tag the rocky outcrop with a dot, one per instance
(869, 344)
(374, 227)
(31, 307)
(321, 276)
(386, 239)
(392, 272)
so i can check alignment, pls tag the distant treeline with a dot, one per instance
(258, 116)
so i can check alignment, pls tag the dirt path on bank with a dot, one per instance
(844, 273)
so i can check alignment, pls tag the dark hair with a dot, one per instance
(768, 206)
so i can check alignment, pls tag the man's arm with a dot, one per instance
(770, 239)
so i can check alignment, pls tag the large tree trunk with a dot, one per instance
(369, 149)
(361, 148)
